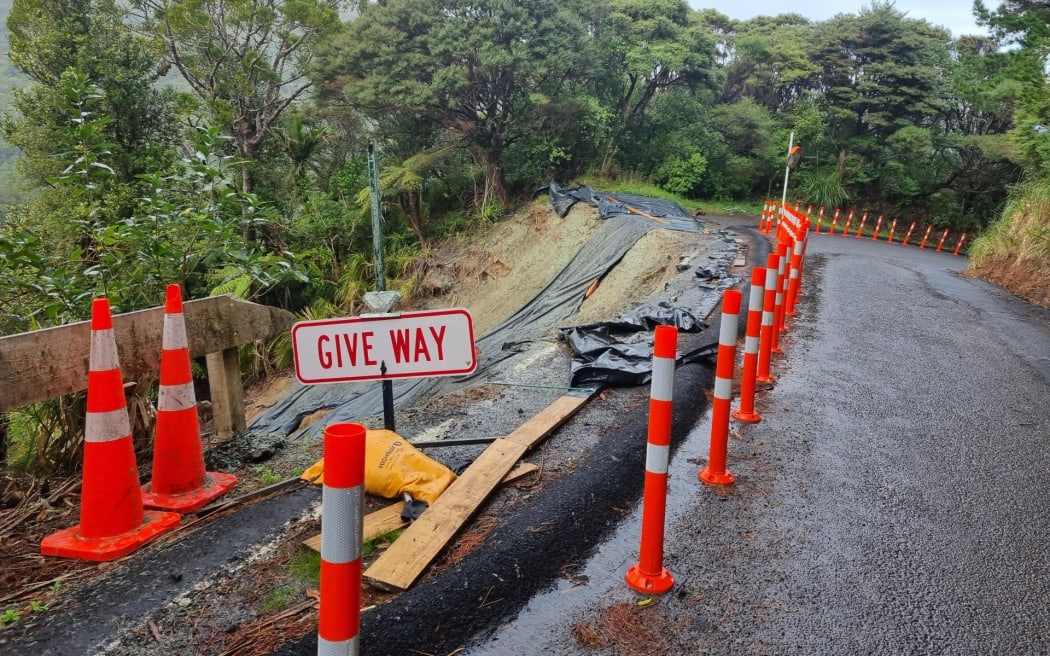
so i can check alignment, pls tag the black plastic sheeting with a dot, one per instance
(558, 301)
(620, 353)
(610, 204)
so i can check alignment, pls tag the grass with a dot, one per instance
(1022, 233)
(641, 188)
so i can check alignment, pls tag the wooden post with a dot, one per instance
(227, 393)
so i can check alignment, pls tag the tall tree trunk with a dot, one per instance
(494, 188)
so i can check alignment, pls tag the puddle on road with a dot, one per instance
(550, 613)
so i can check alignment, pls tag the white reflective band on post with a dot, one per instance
(103, 355)
(767, 318)
(750, 344)
(334, 648)
(798, 247)
(727, 334)
(794, 274)
(107, 426)
(656, 458)
(174, 332)
(663, 379)
(176, 397)
(755, 302)
(338, 504)
(723, 388)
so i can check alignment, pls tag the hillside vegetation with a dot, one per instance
(252, 176)
(1015, 251)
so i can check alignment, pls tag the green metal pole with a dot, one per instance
(377, 245)
(377, 218)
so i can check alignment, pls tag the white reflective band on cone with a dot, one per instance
(107, 426)
(103, 356)
(174, 332)
(176, 397)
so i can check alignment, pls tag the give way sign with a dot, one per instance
(404, 345)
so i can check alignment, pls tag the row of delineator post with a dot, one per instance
(769, 223)
(772, 298)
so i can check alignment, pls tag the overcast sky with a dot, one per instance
(956, 15)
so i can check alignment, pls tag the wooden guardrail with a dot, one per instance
(45, 364)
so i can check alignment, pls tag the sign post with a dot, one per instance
(792, 157)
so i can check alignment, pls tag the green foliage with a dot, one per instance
(824, 188)
(682, 176)
(10, 616)
(1022, 232)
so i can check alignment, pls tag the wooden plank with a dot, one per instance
(45, 364)
(389, 519)
(548, 420)
(377, 523)
(421, 542)
(405, 560)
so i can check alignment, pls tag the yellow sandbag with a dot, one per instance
(393, 466)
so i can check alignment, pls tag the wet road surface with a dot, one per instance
(895, 498)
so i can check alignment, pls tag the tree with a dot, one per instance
(644, 47)
(49, 38)
(770, 61)
(1026, 24)
(469, 66)
(246, 59)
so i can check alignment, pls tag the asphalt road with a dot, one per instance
(895, 498)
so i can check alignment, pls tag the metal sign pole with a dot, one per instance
(787, 172)
(377, 246)
(377, 218)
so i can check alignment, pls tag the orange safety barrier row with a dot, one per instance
(890, 236)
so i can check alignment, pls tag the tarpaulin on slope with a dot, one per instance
(663, 212)
(620, 352)
(558, 301)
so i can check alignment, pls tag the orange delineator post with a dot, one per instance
(748, 374)
(179, 482)
(925, 237)
(715, 473)
(113, 522)
(878, 226)
(342, 528)
(768, 334)
(834, 221)
(863, 221)
(762, 221)
(779, 326)
(908, 235)
(795, 277)
(649, 575)
(849, 221)
(943, 237)
(893, 228)
(959, 244)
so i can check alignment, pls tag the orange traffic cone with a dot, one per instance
(179, 480)
(112, 521)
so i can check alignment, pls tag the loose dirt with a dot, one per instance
(1023, 279)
